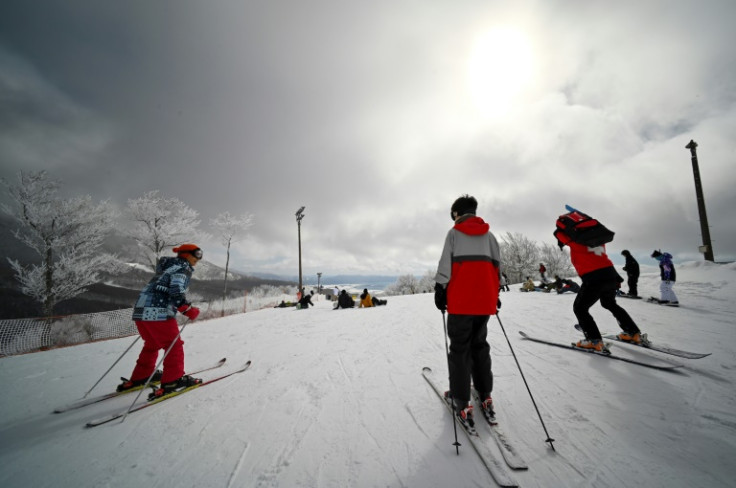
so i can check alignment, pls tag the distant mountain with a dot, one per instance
(112, 292)
(330, 279)
(121, 291)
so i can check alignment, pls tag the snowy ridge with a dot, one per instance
(334, 398)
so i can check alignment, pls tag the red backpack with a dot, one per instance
(583, 229)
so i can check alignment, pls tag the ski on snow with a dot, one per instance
(150, 403)
(508, 451)
(664, 349)
(91, 401)
(497, 470)
(649, 364)
(655, 347)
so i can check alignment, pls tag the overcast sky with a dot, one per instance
(377, 115)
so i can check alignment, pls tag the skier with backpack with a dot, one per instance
(586, 238)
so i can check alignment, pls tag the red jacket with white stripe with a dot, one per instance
(470, 268)
(591, 263)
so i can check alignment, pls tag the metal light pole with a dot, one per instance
(299, 217)
(706, 248)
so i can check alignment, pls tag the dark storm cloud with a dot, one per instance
(361, 112)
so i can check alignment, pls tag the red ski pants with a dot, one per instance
(157, 336)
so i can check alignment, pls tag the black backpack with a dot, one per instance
(583, 229)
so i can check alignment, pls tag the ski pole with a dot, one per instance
(452, 399)
(549, 439)
(148, 381)
(113, 365)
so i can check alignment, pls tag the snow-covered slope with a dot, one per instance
(336, 398)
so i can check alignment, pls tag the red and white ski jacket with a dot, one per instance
(591, 263)
(470, 268)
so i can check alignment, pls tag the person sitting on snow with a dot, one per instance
(568, 285)
(365, 299)
(305, 301)
(345, 301)
(528, 285)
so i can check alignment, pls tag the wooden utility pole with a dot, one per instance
(707, 247)
(299, 217)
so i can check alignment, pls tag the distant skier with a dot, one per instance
(542, 271)
(632, 273)
(600, 282)
(668, 276)
(467, 284)
(505, 282)
(155, 317)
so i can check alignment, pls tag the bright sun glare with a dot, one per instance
(499, 69)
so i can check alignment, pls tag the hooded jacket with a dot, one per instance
(166, 291)
(666, 267)
(470, 268)
(591, 263)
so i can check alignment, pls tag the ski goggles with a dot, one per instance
(197, 253)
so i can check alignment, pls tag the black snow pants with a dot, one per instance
(605, 291)
(633, 280)
(470, 355)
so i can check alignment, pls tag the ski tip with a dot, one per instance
(523, 334)
(426, 369)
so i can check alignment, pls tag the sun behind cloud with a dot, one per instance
(500, 67)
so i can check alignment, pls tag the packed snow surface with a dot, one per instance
(336, 399)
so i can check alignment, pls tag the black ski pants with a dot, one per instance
(605, 291)
(633, 280)
(470, 355)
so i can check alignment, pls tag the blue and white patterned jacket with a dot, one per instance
(166, 291)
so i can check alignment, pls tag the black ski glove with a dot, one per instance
(498, 304)
(440, 297)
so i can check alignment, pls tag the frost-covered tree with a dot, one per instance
(407, 284)
(519, 256)
(65, 233)
(160, 223)
(229, 228)
(426, 283)
(556, 261)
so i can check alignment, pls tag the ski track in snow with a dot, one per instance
(336, 398)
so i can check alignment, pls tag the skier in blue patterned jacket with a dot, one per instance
(155, 317)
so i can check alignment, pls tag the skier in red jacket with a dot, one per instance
(600, 282)
(467, 286)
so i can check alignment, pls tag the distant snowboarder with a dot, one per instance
(668, 276)
(632, 273)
